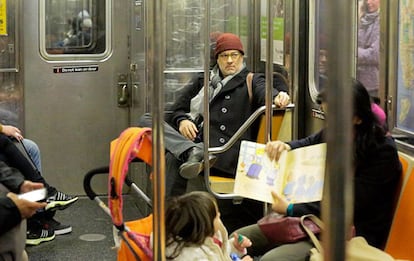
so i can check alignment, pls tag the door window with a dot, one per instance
(73, 27)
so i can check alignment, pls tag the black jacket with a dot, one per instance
(229, 109)
(9, 213)
(375, 184)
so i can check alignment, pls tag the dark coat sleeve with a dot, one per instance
(313, 139)
(10, 177)
(9, 215)
(181, 106)
(300, 209)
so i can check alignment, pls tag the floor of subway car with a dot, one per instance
(91, 238)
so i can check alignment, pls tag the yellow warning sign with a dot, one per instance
(3, 17)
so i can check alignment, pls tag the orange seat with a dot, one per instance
(401, 238)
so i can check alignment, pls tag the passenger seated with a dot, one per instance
(41, 227)
(14, 211)
(377, 174)
(230, 107)
(194, 230)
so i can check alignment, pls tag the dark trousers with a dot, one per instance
(13, 157)
(175, 145)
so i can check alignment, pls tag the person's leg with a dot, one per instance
(289, 252)
(14, 158)
(34, 153)
(191, 154)
(174, 142)
(175, 185)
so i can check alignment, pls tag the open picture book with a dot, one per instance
(298, 175)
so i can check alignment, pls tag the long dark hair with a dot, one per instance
(189, 220)
(369, 132)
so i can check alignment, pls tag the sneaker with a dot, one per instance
(38, 234)
(59, 228)
(59, 200)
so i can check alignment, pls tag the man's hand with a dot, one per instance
(12, 131)
(188, 129)
(275, 148)
(282, 100)
(26, 208)
(29, 186)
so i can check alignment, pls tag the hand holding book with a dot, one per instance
(297, 176)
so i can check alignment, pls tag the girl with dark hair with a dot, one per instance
(377, 172)
(194, 230)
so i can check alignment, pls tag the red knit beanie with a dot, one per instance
(228, 41)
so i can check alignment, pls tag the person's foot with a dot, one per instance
(59, 228)
(194, 163)
(59, 200)
(37, 234)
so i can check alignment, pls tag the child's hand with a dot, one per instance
(241, 242)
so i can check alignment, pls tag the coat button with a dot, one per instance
(223, 110)
(227, 97)
(222, 127)
(222, 140)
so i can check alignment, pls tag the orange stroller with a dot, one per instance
(133, 143)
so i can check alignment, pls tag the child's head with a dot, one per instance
(191, 218)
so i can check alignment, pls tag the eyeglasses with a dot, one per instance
(225, 56)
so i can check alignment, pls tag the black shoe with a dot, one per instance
(195, 163)
(37, 234)
(59, 200)
(59, 228)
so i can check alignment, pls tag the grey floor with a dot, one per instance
(88, 221)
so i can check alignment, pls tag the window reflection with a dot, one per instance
(368, 45)
(75, 26)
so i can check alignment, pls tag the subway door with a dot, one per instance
(76, 68)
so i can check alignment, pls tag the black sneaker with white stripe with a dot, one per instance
(59, 200)
(59, 228)
(37, 234)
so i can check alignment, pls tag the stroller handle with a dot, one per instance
(88, 177)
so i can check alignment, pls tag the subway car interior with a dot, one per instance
(77, 75)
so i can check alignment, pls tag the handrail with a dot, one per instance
(217, 150)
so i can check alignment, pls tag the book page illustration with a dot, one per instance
(298, 175)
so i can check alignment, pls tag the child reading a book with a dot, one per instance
(194, 231)
(377, 171)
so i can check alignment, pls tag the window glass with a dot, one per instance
(74, 27)
(317, 41)
(368, 45)
(405, 80)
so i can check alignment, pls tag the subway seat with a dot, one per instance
(281, 126)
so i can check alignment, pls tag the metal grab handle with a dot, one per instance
(87, 180)
(123, 96)
(216, 150)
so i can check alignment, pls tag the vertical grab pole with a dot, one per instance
(269, 77)
(156, 59)
(337, 203)
(269, 69)
(206, 105)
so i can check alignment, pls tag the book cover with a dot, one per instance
(298, 175)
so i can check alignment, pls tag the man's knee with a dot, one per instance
(145, 120)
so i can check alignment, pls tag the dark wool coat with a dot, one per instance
(229, 109)
(9, 213)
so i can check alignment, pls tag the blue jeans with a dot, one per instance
(34, 153)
